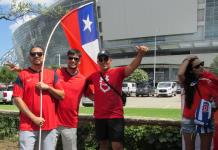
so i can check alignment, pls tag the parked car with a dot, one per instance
(7, 95)
(2, 88)
(87, 102)
(166, 88)
(129, 88)
(144, 89)
(178, 90)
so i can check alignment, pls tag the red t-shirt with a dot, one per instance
(108, 103)
(67, 109)
(24, 88)
(208, 90)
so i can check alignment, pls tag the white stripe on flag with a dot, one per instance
(92, 49)
(200, 111)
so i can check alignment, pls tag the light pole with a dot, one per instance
(155, 49)
(59, 59)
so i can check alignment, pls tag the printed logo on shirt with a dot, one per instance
(103, 86)
(205, 107)
(29, 79)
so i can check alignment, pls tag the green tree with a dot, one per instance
(137, 76)
(18, 9)
(7, 76)
(214, 66)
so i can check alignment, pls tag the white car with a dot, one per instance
(7, 95)
(87, 102)
(2, 88)
(129, 88)
(166, 89)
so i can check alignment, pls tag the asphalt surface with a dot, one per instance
(154, 102)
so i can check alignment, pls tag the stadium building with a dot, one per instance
(172, 29)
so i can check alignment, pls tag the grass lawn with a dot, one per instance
(154, 113)
(129, 112)
(144, 112)
(8, 107)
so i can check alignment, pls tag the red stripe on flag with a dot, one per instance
(70, 26)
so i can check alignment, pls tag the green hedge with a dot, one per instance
(152, 138)
(139, 134)
(9, 123)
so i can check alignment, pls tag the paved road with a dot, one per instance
(154, 102)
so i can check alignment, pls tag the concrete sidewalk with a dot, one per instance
(154, 102)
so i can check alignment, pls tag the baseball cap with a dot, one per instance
(103, 53)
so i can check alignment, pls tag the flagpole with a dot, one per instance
(41, 78)
(75, 10)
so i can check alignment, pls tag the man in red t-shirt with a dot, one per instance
(26, 94)
(73, 83)
(108, 108)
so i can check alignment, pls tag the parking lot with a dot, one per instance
(154, 102)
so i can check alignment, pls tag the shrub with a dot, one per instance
(152, 138)
(163, 135)
(8, 125)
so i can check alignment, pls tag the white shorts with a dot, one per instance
(29, 140)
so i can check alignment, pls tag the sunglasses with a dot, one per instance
(34, 54)
(101, 59)
(199, 65)
(74, 58)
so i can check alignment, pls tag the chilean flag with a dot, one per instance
(80, 29)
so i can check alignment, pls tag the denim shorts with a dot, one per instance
(189, 126)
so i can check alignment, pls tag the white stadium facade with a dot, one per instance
(180, 27)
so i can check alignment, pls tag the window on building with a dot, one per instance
(100, 26)
(99, 11)
(201, 15)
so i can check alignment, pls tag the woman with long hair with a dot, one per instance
(197, 84)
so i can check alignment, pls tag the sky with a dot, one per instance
(6, 37)
(8, 27)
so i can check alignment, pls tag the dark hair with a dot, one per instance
(188, 87)
(74, 52)
(37, 46)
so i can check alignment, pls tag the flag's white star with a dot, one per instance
(87, 23)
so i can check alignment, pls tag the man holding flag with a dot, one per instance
(26, 95)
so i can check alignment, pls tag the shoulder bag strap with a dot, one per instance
(110, 85)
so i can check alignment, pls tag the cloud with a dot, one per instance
(43, 2)
(21, 21)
